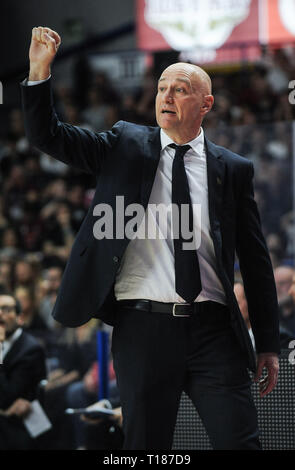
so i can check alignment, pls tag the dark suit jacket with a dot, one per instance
(125, 161)
(22, 369)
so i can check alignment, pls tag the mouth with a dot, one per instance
(168, 111)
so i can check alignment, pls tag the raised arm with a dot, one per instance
(80, 148)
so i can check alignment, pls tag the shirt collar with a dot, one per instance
(197, 144)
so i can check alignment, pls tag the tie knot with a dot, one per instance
(180, 149)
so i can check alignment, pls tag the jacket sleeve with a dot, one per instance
(256, 270)
(80, 148)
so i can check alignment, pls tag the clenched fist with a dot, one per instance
(44, 46)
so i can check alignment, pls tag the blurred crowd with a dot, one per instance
(43, 203)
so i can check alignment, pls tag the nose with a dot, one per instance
(168, 98)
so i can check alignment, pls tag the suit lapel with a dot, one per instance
(215, 175)
(152, 148)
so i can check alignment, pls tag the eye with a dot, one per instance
(161, 89)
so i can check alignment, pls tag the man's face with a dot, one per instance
(9, 320)
(180, 101)
(283, 279)
(54, 279)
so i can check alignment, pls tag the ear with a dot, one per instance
(207, 104)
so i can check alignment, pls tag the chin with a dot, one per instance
(166, 124)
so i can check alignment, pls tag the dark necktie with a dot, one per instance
(187, 270)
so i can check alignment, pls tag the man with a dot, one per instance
(22, 368)
(285, 335)
(284, 276)
(176, 320)
(53, 278)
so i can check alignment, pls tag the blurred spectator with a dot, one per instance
(73, 362)
(284, 278)
(285, 334)
(59, 233)
(81, 394)
(105, 432)
(275, 243)
(10, 243)
(32, 321)
(24, 274)
(22, 369)
(3, 219)
(291, 291)
(6, 275)
(75, 198)
(96, 111)
(52, 280)
(145, 100)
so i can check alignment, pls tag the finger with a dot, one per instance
(38, 33)
(259, 371)
(34, 34)
(54, 35)
(267, 389)
(269, 385)
(50, 42)
(263, 384)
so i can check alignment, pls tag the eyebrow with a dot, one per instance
(183, 80)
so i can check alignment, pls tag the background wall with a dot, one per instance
(95, 16)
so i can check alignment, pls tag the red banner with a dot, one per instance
(214, 30)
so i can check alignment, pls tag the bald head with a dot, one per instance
(197, 75)
(183, 99)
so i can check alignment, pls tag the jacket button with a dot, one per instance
(115, 259)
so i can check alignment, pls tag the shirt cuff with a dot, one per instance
(34, 82)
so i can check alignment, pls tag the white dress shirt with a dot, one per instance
(147, 267)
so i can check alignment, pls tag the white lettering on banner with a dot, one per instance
(287, 14)
(186, 24)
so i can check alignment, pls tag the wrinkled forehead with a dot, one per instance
(186, 75)
(176, 74)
